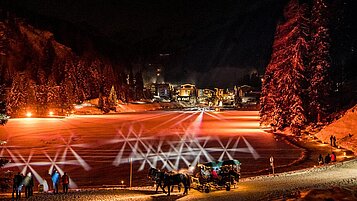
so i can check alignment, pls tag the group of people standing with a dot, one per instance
(328, 158)
(56, 177)
(333, 140)
(20, 181)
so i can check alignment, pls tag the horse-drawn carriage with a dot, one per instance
(216, 175)
(205, 177)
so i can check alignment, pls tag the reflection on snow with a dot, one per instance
(176, 151)
(176, 146)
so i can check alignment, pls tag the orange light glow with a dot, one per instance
(50, 113)
(28, 114)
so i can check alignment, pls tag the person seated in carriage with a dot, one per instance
(214, 175)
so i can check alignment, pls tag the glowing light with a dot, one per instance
(122, 182)
(50, 113)
(29, 114)
(187, 148)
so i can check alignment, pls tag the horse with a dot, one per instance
(158, 177)
(176, 179)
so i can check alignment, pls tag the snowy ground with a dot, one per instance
(344, 129)
(336, 181)
(340, 179)
(95, 150)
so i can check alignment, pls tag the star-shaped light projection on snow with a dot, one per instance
(6, 149)
(69, 146)
(28, 166)
(183, 149)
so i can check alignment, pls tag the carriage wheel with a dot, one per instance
(207, 190)
(228, 187)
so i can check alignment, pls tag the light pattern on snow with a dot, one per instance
(176, 151)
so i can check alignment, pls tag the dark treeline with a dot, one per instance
(38, 72)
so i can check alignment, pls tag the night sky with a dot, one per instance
(210, 43)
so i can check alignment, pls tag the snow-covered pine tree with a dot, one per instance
(112, 99)
(68, 85)
(139, 86)
(284, 80)
(82, 81)
(124, 87)
(320, 82)
(107, 78)
(131, 86)
(53, 97)
(94, 77)
(3, 40)
(41, 92)
(18, 96)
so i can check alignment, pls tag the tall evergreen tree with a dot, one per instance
(53, 91)
(21, 95)
(284, 80)
(320, 82)
(139, 86)
(68, 85)
(112, 99)
(41, 92)
(82, 81)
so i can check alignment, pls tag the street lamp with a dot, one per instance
(28, 114)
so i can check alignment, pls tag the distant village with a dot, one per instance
(189, 95)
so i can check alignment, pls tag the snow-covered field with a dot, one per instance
(340, 178)
(337, 181)
(95, 150)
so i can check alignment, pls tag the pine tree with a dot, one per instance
(131, 86)
(112, 99)
(82, 81)
(3, 40)
(124, 87)
(67, 89)
(53, 91)
(284, 80)
(41, 92)
(320, 83)
(19, 96)
(139, 86)
(94, 78)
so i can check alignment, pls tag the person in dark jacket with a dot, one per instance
(327, 159)
(334, 141)
(320, 160)
(16, 189)
(65, 182)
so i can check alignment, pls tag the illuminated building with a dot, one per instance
(187, 93)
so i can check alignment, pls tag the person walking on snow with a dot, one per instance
(334, 141)
(331, 139)
(55, 180)
(65, 182)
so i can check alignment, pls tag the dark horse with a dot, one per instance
(157, 177)
(171, 179)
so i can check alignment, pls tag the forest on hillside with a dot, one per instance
(38, 72)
